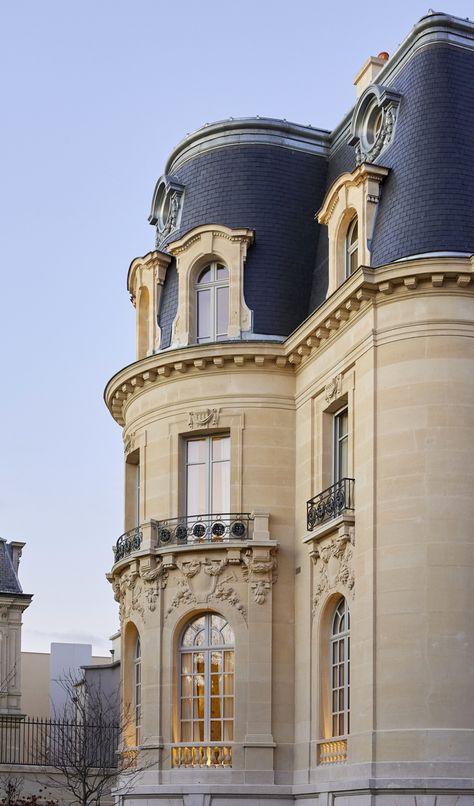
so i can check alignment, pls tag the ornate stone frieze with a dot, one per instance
(205, 418)
(334, 568)
(195, 580)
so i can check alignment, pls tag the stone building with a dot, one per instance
(296, 575)
(13, 602)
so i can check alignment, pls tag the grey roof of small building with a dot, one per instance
(9, 582)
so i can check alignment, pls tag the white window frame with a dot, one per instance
(206, 650)
(339, 661)
(213, 286)
(209, 463)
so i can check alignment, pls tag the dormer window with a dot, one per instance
(352, 247)
(212, 303)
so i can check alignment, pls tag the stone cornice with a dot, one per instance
(365, 287)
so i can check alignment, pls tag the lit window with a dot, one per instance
(341, 444)
(352, 247)
(212, 303)
(340, 670)
(206, 680)
(208, 475)
(138, 691)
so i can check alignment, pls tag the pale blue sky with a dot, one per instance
(95, 94)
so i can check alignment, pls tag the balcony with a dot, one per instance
(186, 531)
(336, 500)
(201, 755)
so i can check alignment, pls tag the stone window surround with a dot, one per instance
(356, 193)
(200, 246)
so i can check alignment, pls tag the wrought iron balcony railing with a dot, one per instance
(187, 530)
(213, 528)
(127, 543)
(330, 503)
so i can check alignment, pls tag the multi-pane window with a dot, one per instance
(137, 669)
(206, 680)
(352, 247)
(208, 475)
(340, 670)
(212, 303)
(341, 444)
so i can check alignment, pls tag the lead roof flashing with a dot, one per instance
(249, 131)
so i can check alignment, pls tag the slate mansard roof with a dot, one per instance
(271, 176)
(9, 582)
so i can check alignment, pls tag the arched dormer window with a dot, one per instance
(352, 247)
(212, 303)
(137, 686)
(340, 670)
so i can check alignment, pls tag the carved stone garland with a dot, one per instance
(334, 568)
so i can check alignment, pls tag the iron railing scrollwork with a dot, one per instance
(330, 503)
(211, 528)
(127, 543)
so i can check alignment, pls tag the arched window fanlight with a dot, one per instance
(212, 303)
(138, 691)
(206, 680)
(352, 247)
(340, 670)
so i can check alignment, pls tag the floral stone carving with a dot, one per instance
(334, 568)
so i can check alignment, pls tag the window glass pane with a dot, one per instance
(186, 660)
(196, 451)
(220, 487)
(353, 233)
(228, 684)
(186, 686)
(205, 276)
(222, 316)
(216, 684)
(228, 706)
(196, 492)
(228, 731)
(220, 448)
(185, 731)
(218, 622)
(354, 261)
(343, 418)
(222, 272)
(204, 315)
(186, 709)
(229, 659)
(216, 708)
(216, 662)
(216, 732)
(198, 732)
(198, 663)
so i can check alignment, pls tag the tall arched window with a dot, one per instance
(352, 247)
(340, 670)
(137, 669)
(206, 680)
(212, 303)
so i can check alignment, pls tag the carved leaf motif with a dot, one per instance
(189, 568)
